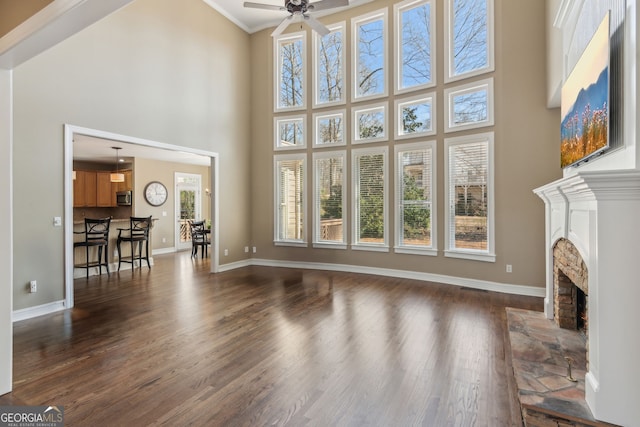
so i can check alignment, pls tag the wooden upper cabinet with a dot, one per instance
(95, 189)
(127, 185)
(90, 193)
(84, 189)
(105, 190)
(79, 189)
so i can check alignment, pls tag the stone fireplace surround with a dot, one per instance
(599, 213)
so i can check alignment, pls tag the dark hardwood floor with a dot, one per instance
(269, 346)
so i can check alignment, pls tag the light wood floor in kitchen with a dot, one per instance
(257, 346)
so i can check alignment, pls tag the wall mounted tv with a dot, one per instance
(584, 105)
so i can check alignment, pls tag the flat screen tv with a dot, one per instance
(584, 105)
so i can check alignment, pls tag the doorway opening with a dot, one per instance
(70, 132)
(188, 206)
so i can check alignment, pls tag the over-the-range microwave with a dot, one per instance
(123, 198)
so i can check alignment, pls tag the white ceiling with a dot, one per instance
(252, 20)
(89, 148)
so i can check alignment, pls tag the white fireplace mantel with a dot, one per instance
(599, 212)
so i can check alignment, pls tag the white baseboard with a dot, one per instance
(162, 251)
(234, 265)
(39, 310)
(415, 275)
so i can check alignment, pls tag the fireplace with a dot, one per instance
(570, 287)
(592, 242)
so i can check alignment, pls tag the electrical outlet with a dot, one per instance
(246, 249)
(509, 268)
(255, 250)
(164, 240)
(226, 252)
(33, 286)
(57, 221)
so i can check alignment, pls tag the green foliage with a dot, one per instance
(410, 121)
(331, 207)
(416, 216)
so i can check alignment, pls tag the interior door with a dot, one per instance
(188, 206)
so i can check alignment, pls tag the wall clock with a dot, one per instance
(155, 193)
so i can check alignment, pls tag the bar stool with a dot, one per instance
(96, 234)
(137, 235)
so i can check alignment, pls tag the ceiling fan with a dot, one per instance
(299, 11)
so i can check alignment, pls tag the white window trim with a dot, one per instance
(355, 130)
(448, 43)
(276, 58)
(317, 243)
(477, 86)
(411, 249)
(399, 103)
(398, 8)
(329, 114)
(276, 173)
(316, 43)
(276, 130)
(487, 255)
(363, 246)
(355, 23)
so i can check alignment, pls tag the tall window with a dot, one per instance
(415, 214)
(329, 67)
(370, 198)
(415, 48)
(370, 55)
(469, 41)
(290, 199)
(329, 199)
(469, 211)
(291, 70)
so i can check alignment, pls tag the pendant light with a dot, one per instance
(117, 176)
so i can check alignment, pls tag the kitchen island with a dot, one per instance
(79, 253)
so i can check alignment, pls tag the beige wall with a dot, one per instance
(526, 154)
(162, 70)
(152, 170)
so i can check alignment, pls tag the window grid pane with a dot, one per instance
(415, 205)
(329, 200)
(330, 130)
(330, 57)
(468, 206)
(470, 36)
(370, 58)
(415, 46)
(290, 201)
(291, 73)
(370, 199)
(416, 118)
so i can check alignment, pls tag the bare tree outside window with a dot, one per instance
(291, 77)
(370, 58)
(329, 68)
(415, 46)
(470, 36)
(470, 107)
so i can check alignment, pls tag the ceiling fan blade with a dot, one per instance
(283, 26)
(327, 4)
(316, 25)
(262, 6)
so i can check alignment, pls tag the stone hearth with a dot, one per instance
(538, 350)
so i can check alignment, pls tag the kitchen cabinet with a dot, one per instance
(95, 189)
(127, 185)
(85, 189)
(105, 190)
